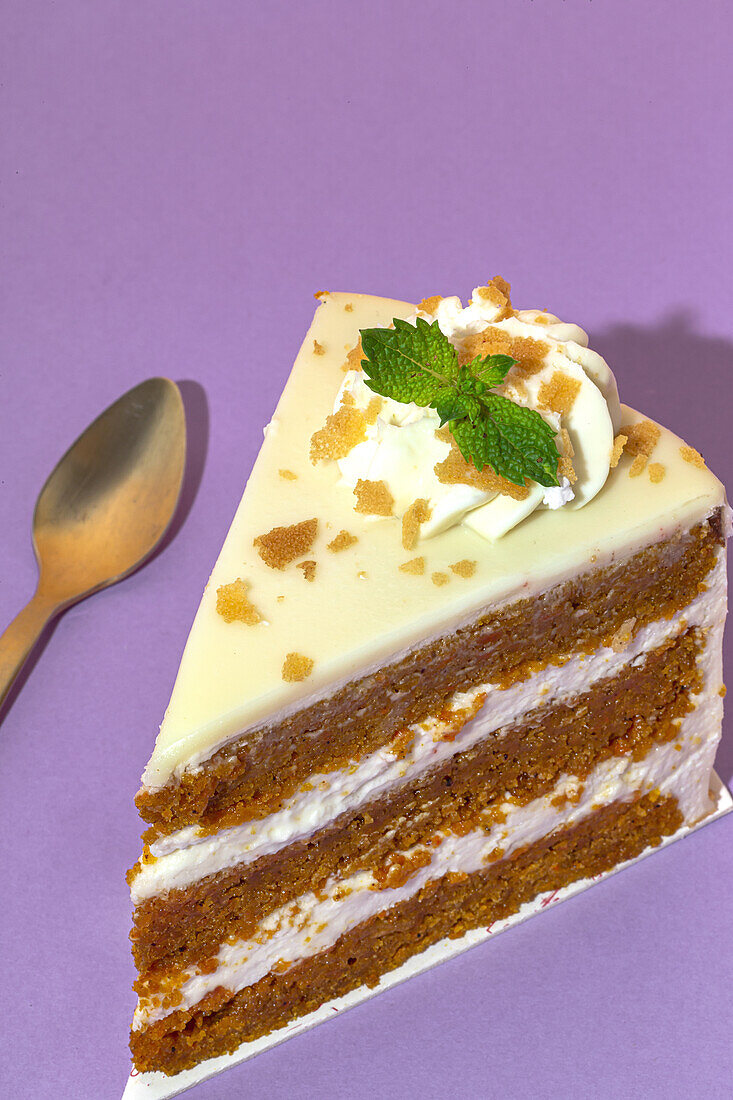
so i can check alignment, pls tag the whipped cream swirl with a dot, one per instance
(402, 450)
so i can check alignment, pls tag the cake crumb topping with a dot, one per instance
(418, 512)
(559, 393)
(440, 579)
(464, 568)
(656, 471)
(641, 439)
(429, 305)
(342, 541)
(318, 349)
(373, 409)
(498, 292)
(529, 353)
(340, 434)
(234, 605)
(282, 545)
(692, 456)
(288, 475)
(349, 307)
(415, 566)
(454, 470)
(296, 667)
(309, 569)
(565, 463)
(354, 358)
(617, 450)
(373, 498)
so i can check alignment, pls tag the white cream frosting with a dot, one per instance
(401, 448)
(680, 768)
(187, 856)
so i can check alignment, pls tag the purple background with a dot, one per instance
(178, 178)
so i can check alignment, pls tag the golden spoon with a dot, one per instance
(103, 510)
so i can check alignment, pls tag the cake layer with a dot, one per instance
(315, 920)
(448, 906)
(253, 777)
(520, 759)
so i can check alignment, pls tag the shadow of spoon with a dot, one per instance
(103, 510)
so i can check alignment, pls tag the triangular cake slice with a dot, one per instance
(414, 697)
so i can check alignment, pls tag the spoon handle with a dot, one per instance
(20, 638)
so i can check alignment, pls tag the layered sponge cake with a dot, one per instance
(418, 693)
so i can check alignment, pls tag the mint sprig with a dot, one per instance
(418, 363)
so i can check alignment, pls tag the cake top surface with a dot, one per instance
(325, 574)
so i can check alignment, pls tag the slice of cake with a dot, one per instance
(423, 685)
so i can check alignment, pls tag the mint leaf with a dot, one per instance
(493, 369)
(516, 442)
(418, 363)
(408, 362)
(455, 404)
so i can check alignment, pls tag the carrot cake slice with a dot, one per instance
(462, 645)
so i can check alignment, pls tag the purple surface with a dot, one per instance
(177, 180)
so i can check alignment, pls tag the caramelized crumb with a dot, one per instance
(402, 741)
(342, 541)
(566, 469)
(529, 353)
(349, 308)
(494, 855)
(233, 604)
(641, 439)
(340, 434)
(722, 691)
(318, 349)
(617, 450)
(455, 720)
(567, 443)
(559, 393)
(691, 455)
(309, 569)
(464, 568)
(296, 667)
(354, 358)
(373, 498)
(418, 512)
(440, 579)
(656, 471)
(454, 470)
(282, 545)
(288, 475)
(498, 293)
(415, 566)
(373, 409)
(398, 869)
(429, 305)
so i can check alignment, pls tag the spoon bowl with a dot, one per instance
(103, 510)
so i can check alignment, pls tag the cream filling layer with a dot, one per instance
(187, 856)
(313, 923)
